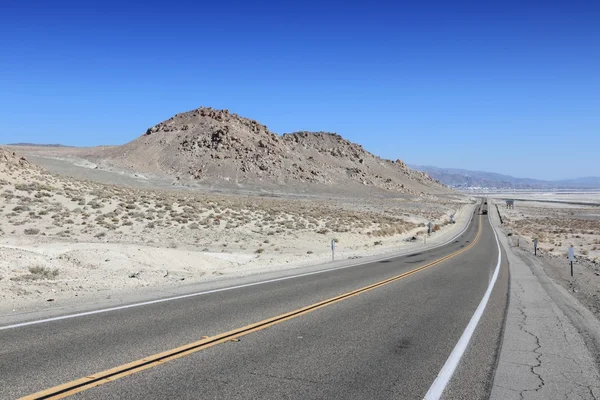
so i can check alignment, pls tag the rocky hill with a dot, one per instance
(10, 160)
(218, 147)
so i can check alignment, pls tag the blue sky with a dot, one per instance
(507, 87)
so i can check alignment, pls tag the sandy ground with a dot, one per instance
(557, 222)
(557, 226)
(64, 239)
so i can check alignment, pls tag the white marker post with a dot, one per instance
(333, 250)
(571, 257)
(535, 244)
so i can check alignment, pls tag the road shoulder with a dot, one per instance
(548, 349)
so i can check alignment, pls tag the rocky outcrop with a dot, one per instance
(12, 159)
(211, 145)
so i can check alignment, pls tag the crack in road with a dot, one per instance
(537, 351)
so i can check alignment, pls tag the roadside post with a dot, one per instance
(571, 257)
(535, 247)
(333, 250)
(429, 228)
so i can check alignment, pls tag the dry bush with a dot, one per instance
(38, 273)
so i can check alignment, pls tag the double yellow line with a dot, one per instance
(100, 378)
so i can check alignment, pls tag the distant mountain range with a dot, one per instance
(36, 145)
(462, 178)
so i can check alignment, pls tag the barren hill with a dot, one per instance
(10, 160)
(218, 147)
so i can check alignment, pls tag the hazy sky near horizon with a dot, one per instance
(508, 87)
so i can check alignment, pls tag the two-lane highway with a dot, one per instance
(379, 330)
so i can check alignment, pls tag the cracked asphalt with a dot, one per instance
(386, 343)
(546, 351)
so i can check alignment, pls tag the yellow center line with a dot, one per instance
(100, 378)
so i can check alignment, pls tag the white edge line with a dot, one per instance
(145, 303)
(441, 381)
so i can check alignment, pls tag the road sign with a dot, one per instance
(333, 250)
(571, 257)
(571, 254)
(429, 227)
(535, 246)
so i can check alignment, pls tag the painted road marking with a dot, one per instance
(97, 379)
(439, 385)
(184, 296)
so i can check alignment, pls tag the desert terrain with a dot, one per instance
(559, 220)
(68, 236)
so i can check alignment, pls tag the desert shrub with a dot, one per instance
(26, 187)
(94, 204)
(32, 231)
(38, 273)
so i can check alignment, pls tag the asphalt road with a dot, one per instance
(384, 343)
